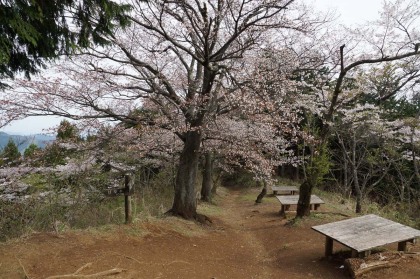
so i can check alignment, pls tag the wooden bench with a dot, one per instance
(289, 190)
(362, 234)
(287, 201)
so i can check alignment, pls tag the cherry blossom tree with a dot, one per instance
(187, 58)
(393, 38)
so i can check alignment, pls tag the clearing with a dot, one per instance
(244, 241)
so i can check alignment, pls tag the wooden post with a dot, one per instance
(127, 198)
(328, 246)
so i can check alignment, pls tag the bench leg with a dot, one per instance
(275, 193)
(328, 246)
(402, 246)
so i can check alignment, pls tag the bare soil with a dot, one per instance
(244, 241)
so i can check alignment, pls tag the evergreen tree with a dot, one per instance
(31, 150)
(32, 32)
(67, 131)
(10, 153)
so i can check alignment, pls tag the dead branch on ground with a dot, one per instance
(76, 274)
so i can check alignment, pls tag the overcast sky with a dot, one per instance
(350, 12)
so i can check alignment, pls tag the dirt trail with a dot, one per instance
(245, 241)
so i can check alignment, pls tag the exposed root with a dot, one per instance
(83, 267)
(95, 275)
(200, 218)
(358, 269)
(203, 219)
(24, 270)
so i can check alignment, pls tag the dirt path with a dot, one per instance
(245, 241)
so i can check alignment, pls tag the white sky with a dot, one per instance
(350, 12)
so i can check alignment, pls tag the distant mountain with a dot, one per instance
(23, 142)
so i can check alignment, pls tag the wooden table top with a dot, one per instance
(293, 199)
(367, 232)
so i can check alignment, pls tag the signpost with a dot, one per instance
(127, 191)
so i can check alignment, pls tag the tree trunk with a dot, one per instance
(262, 194)
(206, 187)
(303, 206)
(358, 204)
(184, 204)
(356, 177)
(347, 189)
(414, 156)
(216, 183)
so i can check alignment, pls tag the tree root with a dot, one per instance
(367, 267)
(95, 275)
(200, 218)
(358, 267)
(203, 219)
(24, 270)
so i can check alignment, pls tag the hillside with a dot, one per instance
(244, 241)
(23, 142)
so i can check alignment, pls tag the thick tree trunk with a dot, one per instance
(184, 204)
(303, 206)
(206, 187)
(262, 194)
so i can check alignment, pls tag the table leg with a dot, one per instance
(354, 253)
(274, 193)
(282, 211)
(402, 246)
(328, 246)
(317, 206)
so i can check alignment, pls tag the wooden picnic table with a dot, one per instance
(362, 234)
(290, 190)
(287, 201)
